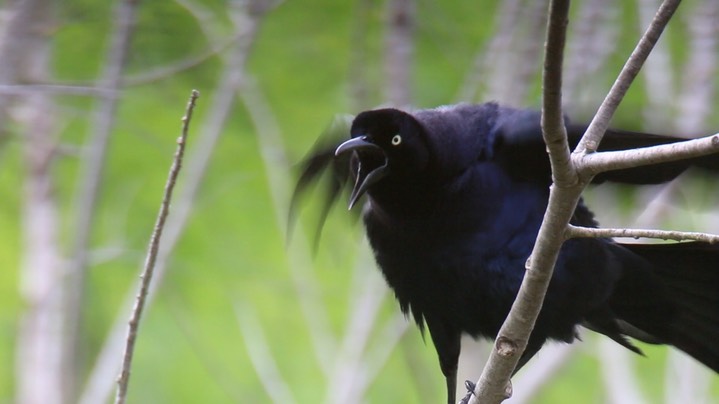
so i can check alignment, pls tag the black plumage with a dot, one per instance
(455, 198)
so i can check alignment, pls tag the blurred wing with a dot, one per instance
(322, 168)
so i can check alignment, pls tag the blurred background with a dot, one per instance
(91, 96)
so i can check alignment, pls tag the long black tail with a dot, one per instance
(690, 274)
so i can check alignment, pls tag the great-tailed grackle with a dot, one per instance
(456, 196)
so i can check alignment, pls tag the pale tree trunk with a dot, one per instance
(399, 48)
(40, 340)
(40, 358)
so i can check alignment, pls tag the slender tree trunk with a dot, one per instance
(40, 358)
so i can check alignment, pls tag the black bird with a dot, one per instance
(456, 196)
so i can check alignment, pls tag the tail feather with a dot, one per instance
(698, 339)
(690, 272)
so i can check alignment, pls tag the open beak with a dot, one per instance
(368, 170)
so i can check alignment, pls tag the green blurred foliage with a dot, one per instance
(233, 252)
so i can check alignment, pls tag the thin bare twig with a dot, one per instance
(148, 270)
(595, 163)
(576, 231)
(600, 122)
(232, 75)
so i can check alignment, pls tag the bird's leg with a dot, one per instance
(447, 342)
(451, 380)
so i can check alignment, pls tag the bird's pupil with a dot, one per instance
(397, 139)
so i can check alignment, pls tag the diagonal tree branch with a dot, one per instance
(99, 384)
(600, 122)
(149, 268)
(512, 339)
(553, 130)
(564, 194)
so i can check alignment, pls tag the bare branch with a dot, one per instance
(148, 270)
(514, 333)
(553, 130)
(576, 231)
(600, 123)
(221, 103)
(595, 163)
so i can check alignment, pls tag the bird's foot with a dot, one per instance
(469, 385)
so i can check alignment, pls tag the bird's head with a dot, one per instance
(388, 145)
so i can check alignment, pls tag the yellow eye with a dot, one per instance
(396, 140)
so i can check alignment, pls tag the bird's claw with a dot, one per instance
(469, 385)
